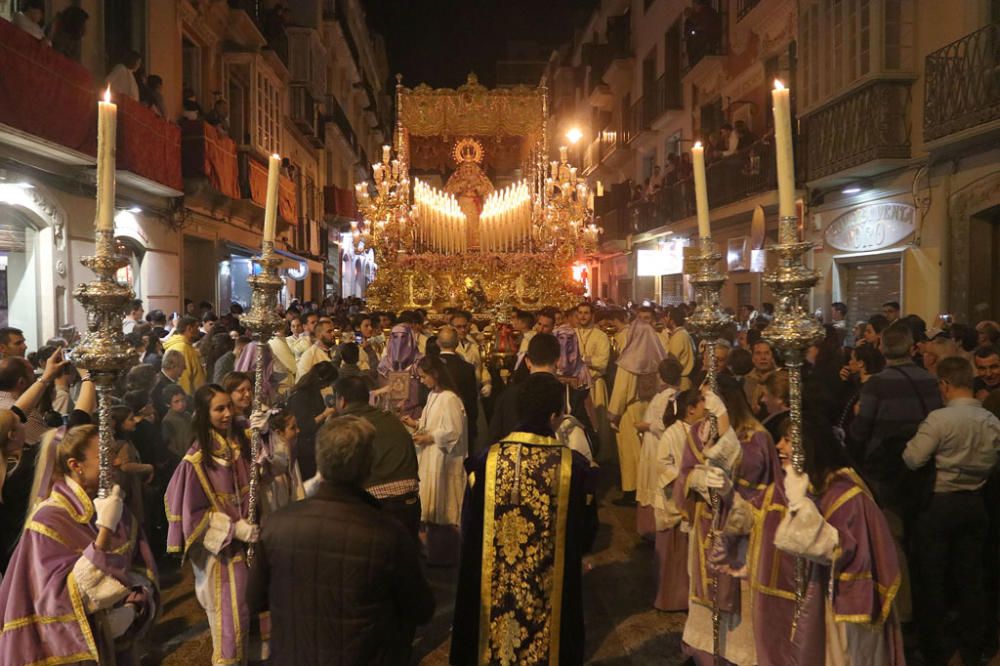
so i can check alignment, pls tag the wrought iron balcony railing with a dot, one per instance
(962, 84)
(669, 95)
(867, 124)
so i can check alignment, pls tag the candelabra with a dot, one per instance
(793, 330)
(387, 213)
(263, 321)
(567, 213)
(102, 350)
(709, 320)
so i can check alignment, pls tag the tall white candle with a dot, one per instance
(106, 129)
(783, 149)
(700, 190)
(271, 202)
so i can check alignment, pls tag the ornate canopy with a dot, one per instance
(472, 110)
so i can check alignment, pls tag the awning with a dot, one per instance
(289, 262)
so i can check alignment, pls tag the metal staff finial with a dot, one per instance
(102, 349)
(793, 330)
(709, 320)
(263, 321)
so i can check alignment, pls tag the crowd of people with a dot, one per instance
(388, 443)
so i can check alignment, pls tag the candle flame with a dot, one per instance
(107, 94)
(697, 144)
(778, 85)
(276, 156)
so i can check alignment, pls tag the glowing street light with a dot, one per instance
(573, 135)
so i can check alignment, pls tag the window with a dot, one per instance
(267, 130)
(191, 66)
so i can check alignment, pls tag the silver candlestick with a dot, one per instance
(102, 350)
(709, 320)
(263, 321)
(792, 331)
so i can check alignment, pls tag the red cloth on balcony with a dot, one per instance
(257, 179)
(54, 98)
(339, 201)
(148, 145)
(208, 154)
(44, 93)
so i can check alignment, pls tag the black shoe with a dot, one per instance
(627, 499)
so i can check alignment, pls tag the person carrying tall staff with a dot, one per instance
(595, 347)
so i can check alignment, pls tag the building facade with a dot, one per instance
(191, 184)
(895, 131)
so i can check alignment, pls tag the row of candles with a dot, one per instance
(784, 159)
(505, 223)
(440, 222)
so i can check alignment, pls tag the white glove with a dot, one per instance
(246, 531)
(486, 390)
(716, 479)
(120, 619)
(725, 452)
(796, 486)
(109, 509)
(258, 420)
(697, 480)
(310, 486)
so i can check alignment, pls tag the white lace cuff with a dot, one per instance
(98, 589)
(219, 532)
(806, 534)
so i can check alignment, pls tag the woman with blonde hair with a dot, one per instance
(82, 563)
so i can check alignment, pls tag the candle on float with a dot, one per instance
(572, 175)
(700, 189)
(600, 188)
(563, 153)
(386, 152)
(555, 170)
(271, 202)
(783, 149)
(107, 113)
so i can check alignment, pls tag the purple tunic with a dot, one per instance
(203, 502)
(402, 355)
(42, 603)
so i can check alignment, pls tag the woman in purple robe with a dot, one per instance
(207, 506)
(847, 616)
(743, 459)
(400, 359)
(81, 586)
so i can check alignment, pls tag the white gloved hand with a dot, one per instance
(725, 452)
(697, 479)
(486, 391)
(310, 486)
(246, 531)
(109, 509)
(258, 420)
(716, 479)
(120, 619)
(796, 486)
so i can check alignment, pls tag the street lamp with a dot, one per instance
(573, 135)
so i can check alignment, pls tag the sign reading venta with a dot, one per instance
(871, 227)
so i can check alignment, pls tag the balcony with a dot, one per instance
(618, 68)
(704, 42)
(641, 116)
(668, 95)
(338, 202)
(862, 133)
(48, 104)
(253, 186)
(744, 7)
(335, 115)
(305, 113)
(208, 157)
(962, 89)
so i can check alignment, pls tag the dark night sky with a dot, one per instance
(440, 41)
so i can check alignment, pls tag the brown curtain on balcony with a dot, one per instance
(502, 155)
(208, 154)
(148, 145)
(257, 178)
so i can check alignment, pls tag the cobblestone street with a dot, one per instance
(622, 627)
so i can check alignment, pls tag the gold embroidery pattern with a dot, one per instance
(522, 538)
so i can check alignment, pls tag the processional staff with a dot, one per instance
(793, 329)
(102, 349)
(263, 322)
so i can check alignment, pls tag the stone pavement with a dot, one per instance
(622, 628)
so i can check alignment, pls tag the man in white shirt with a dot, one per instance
(30, 18)
(319, 351)
(121, 78)
(469, 350)
(133, 317)
(303, 340)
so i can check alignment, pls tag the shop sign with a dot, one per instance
(871, 227)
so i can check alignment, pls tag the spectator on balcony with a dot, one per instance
(672, 171)
(30, 18)
(219, 116)
(67, 31)
(655, 183)
(122, 79)
(685, 169)
(744, 137)
(192, 109)
(151, 95)
(729, 140)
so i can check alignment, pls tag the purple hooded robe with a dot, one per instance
(402, 355)
(204, 500)
(58, 579)
(570, 362)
